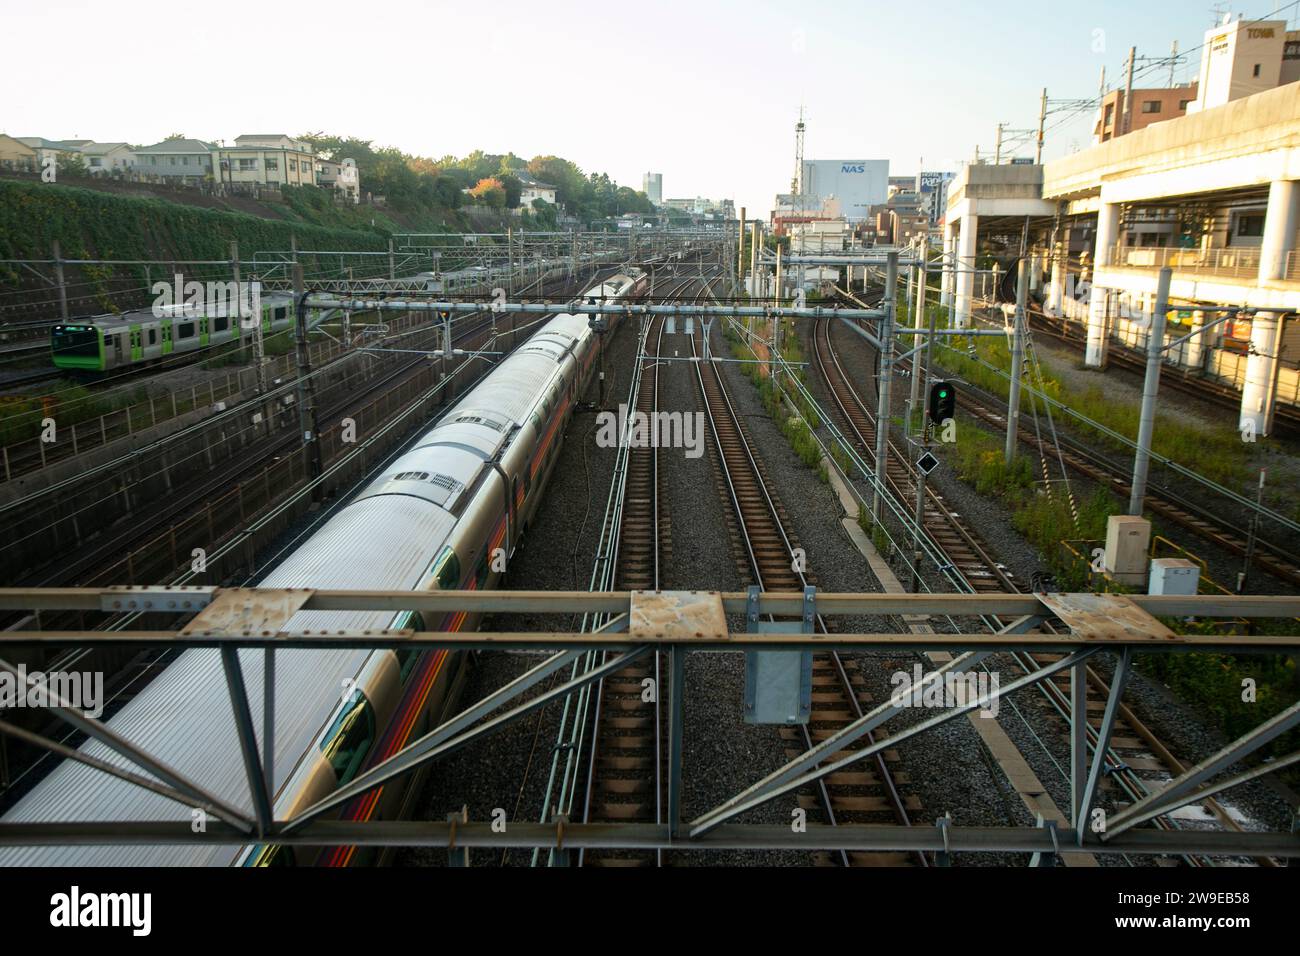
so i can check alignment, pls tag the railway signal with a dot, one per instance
(943, 402)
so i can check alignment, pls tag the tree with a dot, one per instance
(71, 163)
(424, 185)
(490, 192)
(510, 163)
(513, 187)
(544, 213)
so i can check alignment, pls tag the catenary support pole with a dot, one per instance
(1017, 361)
(308, 425)
(923, 275)
(59, 281)
(1042, 118)
(922, 447)
(1150, 386)
(886, 380)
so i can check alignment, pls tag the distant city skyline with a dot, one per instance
(706, 94)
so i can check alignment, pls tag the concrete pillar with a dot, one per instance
(1107, 230)
(945, 279)
(965, 279)
(1035, 270)
(1257, 394)
(1056, 291)
(1280, 223)
(1194, 348)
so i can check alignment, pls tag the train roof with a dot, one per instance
(382, 543)
(385, 538)
(140, 316)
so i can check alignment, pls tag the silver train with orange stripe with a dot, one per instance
(462, 496)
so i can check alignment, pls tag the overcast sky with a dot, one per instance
(706, 92)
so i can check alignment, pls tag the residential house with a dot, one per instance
(114, 159)
(1149, 106)
(341, 176)
(16, 156)
(47, 149)
(267, 160)
(533, 189)
(186, 161)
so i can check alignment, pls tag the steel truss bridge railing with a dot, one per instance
(679, 623)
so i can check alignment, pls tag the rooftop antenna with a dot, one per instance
(796, 183)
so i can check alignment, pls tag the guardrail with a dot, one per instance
(1238, 262)
(680, 622)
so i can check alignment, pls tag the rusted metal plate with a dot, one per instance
(1106, 616)
(677, 615)
(242, 610)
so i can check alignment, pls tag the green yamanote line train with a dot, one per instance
(140, 336)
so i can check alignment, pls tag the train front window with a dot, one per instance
(75, 340)
(409, 656)
(447, 570)
(272, 856)
(349, 738)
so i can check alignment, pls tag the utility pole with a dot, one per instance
(308, 425)
(775, 330)
(1270, 398)
(1150, 386)
(923, 271)
(754, 291)
(753, 263)
(1254, 530)
(911, 286)
(740, 244)
(392, 262)
(922, 448)
(1128, 91)
(1017, 361)
(510, 261)
(58, 278)
(997, 149)
(1042, 119)
(776, 293)
(259, 345)
(886, 377)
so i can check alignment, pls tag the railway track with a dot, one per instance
(966, 552)
(1207, 524)
(1135, 755)
(626, 772)
(130, 533)
(865, 795)
(1286, 417)
(22, 458)
(1204, 523)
